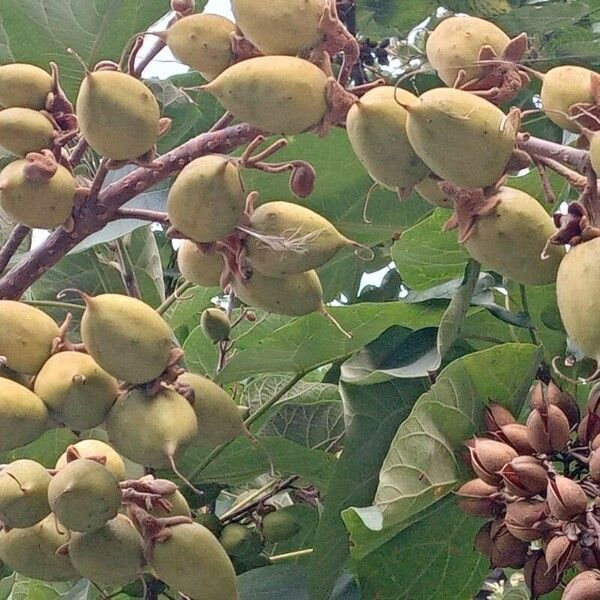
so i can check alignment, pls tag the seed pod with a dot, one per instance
(23, 494)
(23, 416)
(511, 239)
(23, 130)
(118, 115)
(202, 42)
(77, 391)
(377, 122)
(239, 541)
(548, 429)
(488, 457)
(151, 430)
(561, 553)
(594, 465)
(199, 266)
(215, 324)
(207, 200)
(443, 119)
(25, 86)
(585, 586)
(279, 525)
(279, 94)
(456, 42)
(538, 578)
(84, 495)
(590, 558)
(126, 337)
(507, 550)
(562, 87)
(525, 519)
(430, 191)
(211, 522)
(595, 153)
(476, 498)
(94, 450)
(589, 428)
(291, 239)
(302, 180)
(554, 395)
(219, 420)
(524, 476)
(515, 435)
(483, 540)
(111, 556)
(32, 551)
(496, 416)
(566, 499)
(179, 507)
(191, 560)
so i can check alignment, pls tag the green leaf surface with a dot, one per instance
(46, 449)
(387, 17)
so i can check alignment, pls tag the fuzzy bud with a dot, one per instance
(302, 179)
(538, 578)
(524, 476)
(565, 497)
(561, 553)
(488, 457)
(496, 416)
(185, 7)
(515, 435)
(525, 519)
(507, 550)
(476, 498)
(548, 429)
(585, 586)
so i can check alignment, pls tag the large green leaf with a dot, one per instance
(46, 449)
(388, 17)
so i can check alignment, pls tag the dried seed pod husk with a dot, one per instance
(595, 152)
(507, 550)
(488, 457)
(515, 435)
(525, 519)
(202, 267)
(585, 586)
(565, 402)
(525, 476)
(23, 130)
(590, 558)
(483, 540)
(561, 553)
(496, 416)
(565, 497)
(476, 497)
(548, 429)
(594, 465)
(538, 578)
(589, 428)
(23, 85)
(94, 450)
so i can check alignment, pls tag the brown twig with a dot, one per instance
(578, 159)
(573, 178)
(78, 152)
(154, 216)
(14, 240)
(157, 46)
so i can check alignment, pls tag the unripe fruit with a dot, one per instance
(279, 26)
(376, 127)
(202, 42)
(111, 556)
(84, 495)
(23, 416)
(239, 541)
(279, 526)
(118, 115)
(309, 240)
(511, 239)
(32, 551)
(219, 420)
(455, 44)
(444, 120)
(23, 493)
(215, 324)
(23, 85)
(151, 430)
(578, 303)
(562, 87)
(429, 190)
(207, 199)
(95, 449)
(23, 130)
(279, 94)
(192, 561)
(27, 336)
(198, 266)
(179, 507)
(126, 337)
(42, 204)
(77, 391)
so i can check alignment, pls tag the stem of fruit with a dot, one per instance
(128, 271)
(290, 555)
(16, 237)
(525, 307)
(154, 216)
(176, 295)
(51, 304)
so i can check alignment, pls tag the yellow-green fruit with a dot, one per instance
(219, 420)
(151, 430)
(207, 200)
(118, 115)
(305, 239)
(192, 561)
(279, 94)
(84, 495)
(279, 26)
(211, 522)
(294, 295)
(126, 337)
(561, 88)
(595, 152)
(238, 540)
(511, 239)
(23, 85)
(96, 449)
(23, 493)
(23, 130)
(179, 507)
(42, 204)
(376, 127)
(578, 300)
(27, 336)
(77, 391)
(32, 551)
(460, 137)
(202, 42)
(429, 190)
(455, 44)
(215, 324)
(111, 556)
(23, 416)
(279, 526)
(200, 267)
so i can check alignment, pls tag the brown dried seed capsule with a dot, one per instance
(496, 416)
(548, 428)
(594, 465)
(524, 476)
(590, 558)
(585, 586)
(595, 443)
(488, 457)
(515, 435)
(593, 400)
(475, 499)
(565, 402)
(589, 427)
(538, 578)
(561, 553)
(507, 550)
(483, 540)
(565, 497)
(525, 519)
